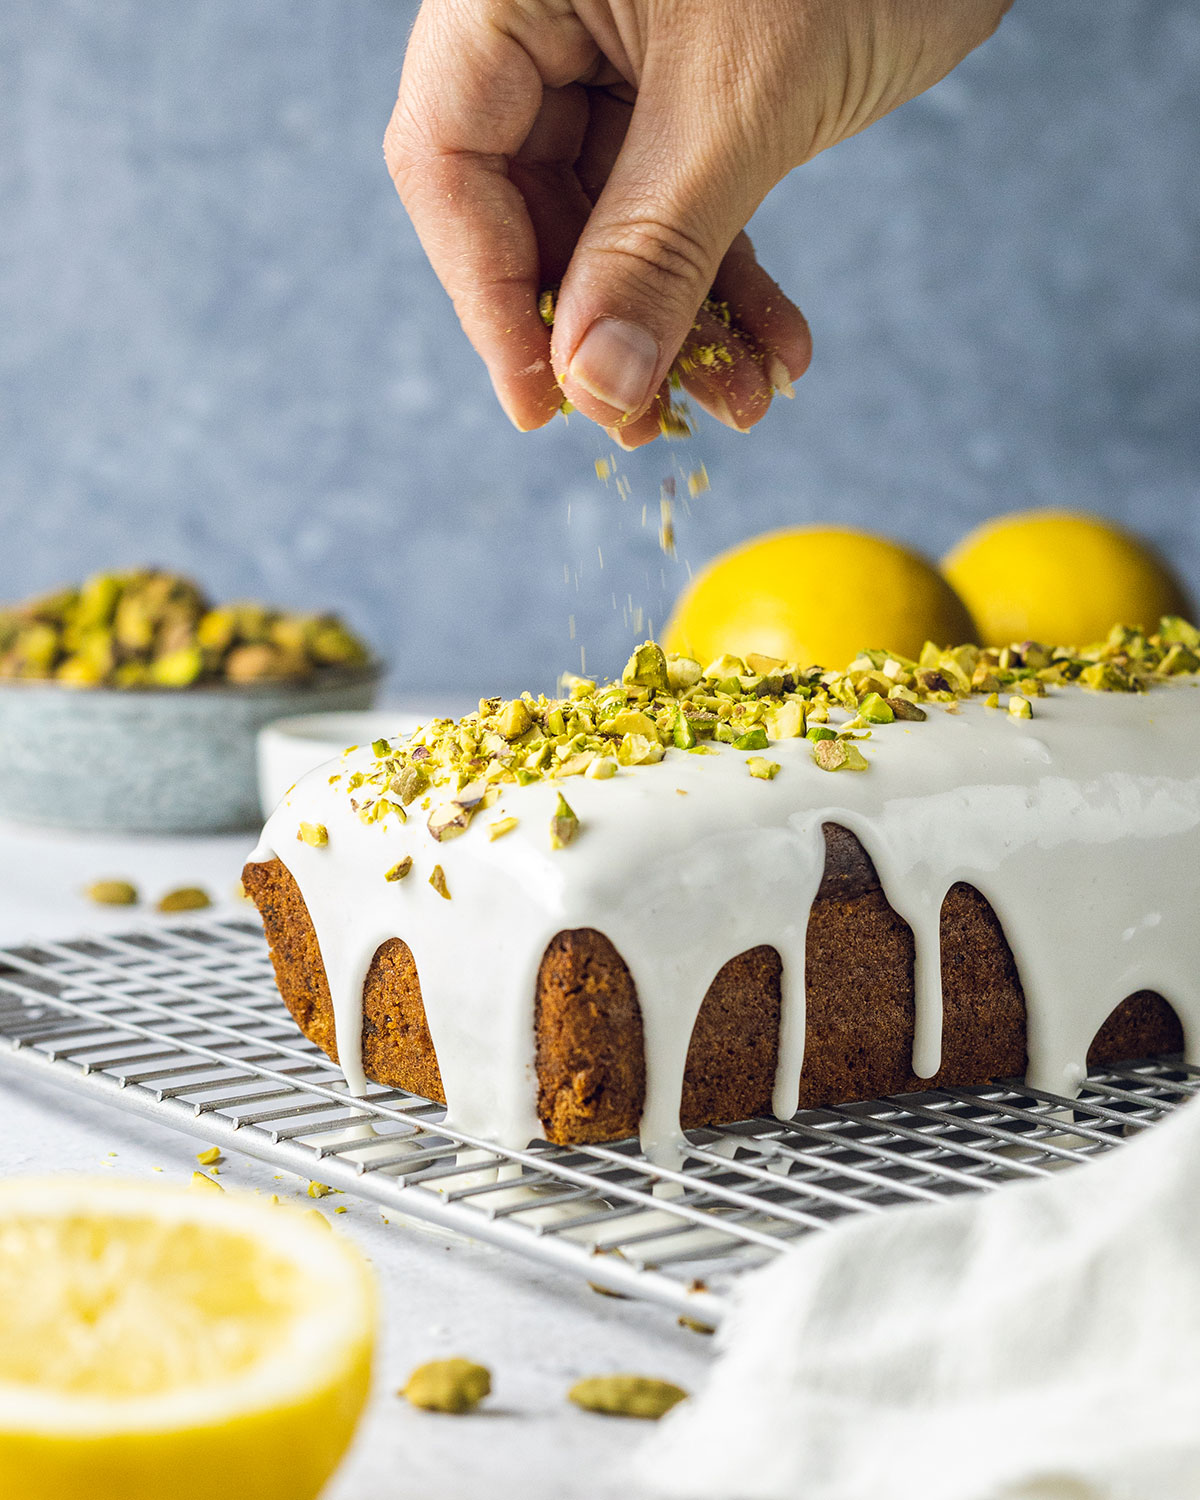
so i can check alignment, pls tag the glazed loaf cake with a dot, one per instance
(591, 1072)
(700, 895)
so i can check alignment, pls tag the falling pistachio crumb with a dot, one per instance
(112, 893)
(501, 826)
(185, 898)
(455, 1386)
(603, 468)
(210, 1157)
(400, 870)
(316, 835)
(438, 881)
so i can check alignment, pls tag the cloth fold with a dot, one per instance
(1039, 1342)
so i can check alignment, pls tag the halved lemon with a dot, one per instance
(186, 1346)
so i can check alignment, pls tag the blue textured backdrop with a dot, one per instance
(221, 348)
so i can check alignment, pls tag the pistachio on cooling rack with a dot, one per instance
(153, 629)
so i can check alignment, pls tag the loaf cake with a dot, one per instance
(708, 893)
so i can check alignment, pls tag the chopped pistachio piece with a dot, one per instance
(839, 755)
(448, 1385)
(601, 768)
(210, 1157)
(400, 869)
(381, 747)
(564, 825)
(627, 1396)
(449, 820)
(682, 734)
(316, 835)
(753, 739)
(902, 709)
(764, 770)
(875, 710)
(112, 893)
(500, 827)
(438, 881)
(647, 668)
(201, 1180)
(186, 898)
(1020, 707)
(820, 732)
(513, 720)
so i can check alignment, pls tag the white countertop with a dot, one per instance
(537, 1329)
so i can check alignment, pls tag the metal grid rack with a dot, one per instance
(181, 1023)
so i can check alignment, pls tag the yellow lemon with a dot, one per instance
(1045, 575)
(816, 595)
(185, 1346)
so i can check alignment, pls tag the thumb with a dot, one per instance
(679, 192)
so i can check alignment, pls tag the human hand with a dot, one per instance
(616, 149)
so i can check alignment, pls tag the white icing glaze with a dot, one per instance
(1081, 827)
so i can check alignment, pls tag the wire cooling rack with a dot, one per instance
(181, 1023)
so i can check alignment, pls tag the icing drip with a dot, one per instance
(1081, 828)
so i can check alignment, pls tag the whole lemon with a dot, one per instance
(816, 595)
(1053, 576)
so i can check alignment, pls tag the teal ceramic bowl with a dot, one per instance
(134, 760)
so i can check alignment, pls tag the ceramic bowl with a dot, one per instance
(150, 760)
(290, 748)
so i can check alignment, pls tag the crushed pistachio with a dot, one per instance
(186, 898)
(316, 835)
(210, 1157)
(668, 704)
(564, 825)
(1020, 707)
(838, 755)
(200, 1180)
(761, 769)
(500, 827)
(400, 869)
(627, 1396)
(112, 893)
(319, 1190)
(449, 1385)
(438, 881)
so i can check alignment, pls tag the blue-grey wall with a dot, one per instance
(221, 348)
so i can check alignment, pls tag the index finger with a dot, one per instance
(469, 95)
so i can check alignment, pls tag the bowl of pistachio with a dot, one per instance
(131, 702)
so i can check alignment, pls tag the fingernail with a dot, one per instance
(617, 362)
(615, 434)
(777, 374)
(719, 408)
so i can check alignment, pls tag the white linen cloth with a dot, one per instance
(1040, 1342)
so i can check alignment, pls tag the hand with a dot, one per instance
(616, 149)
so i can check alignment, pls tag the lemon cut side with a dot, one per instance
(157, 1342)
